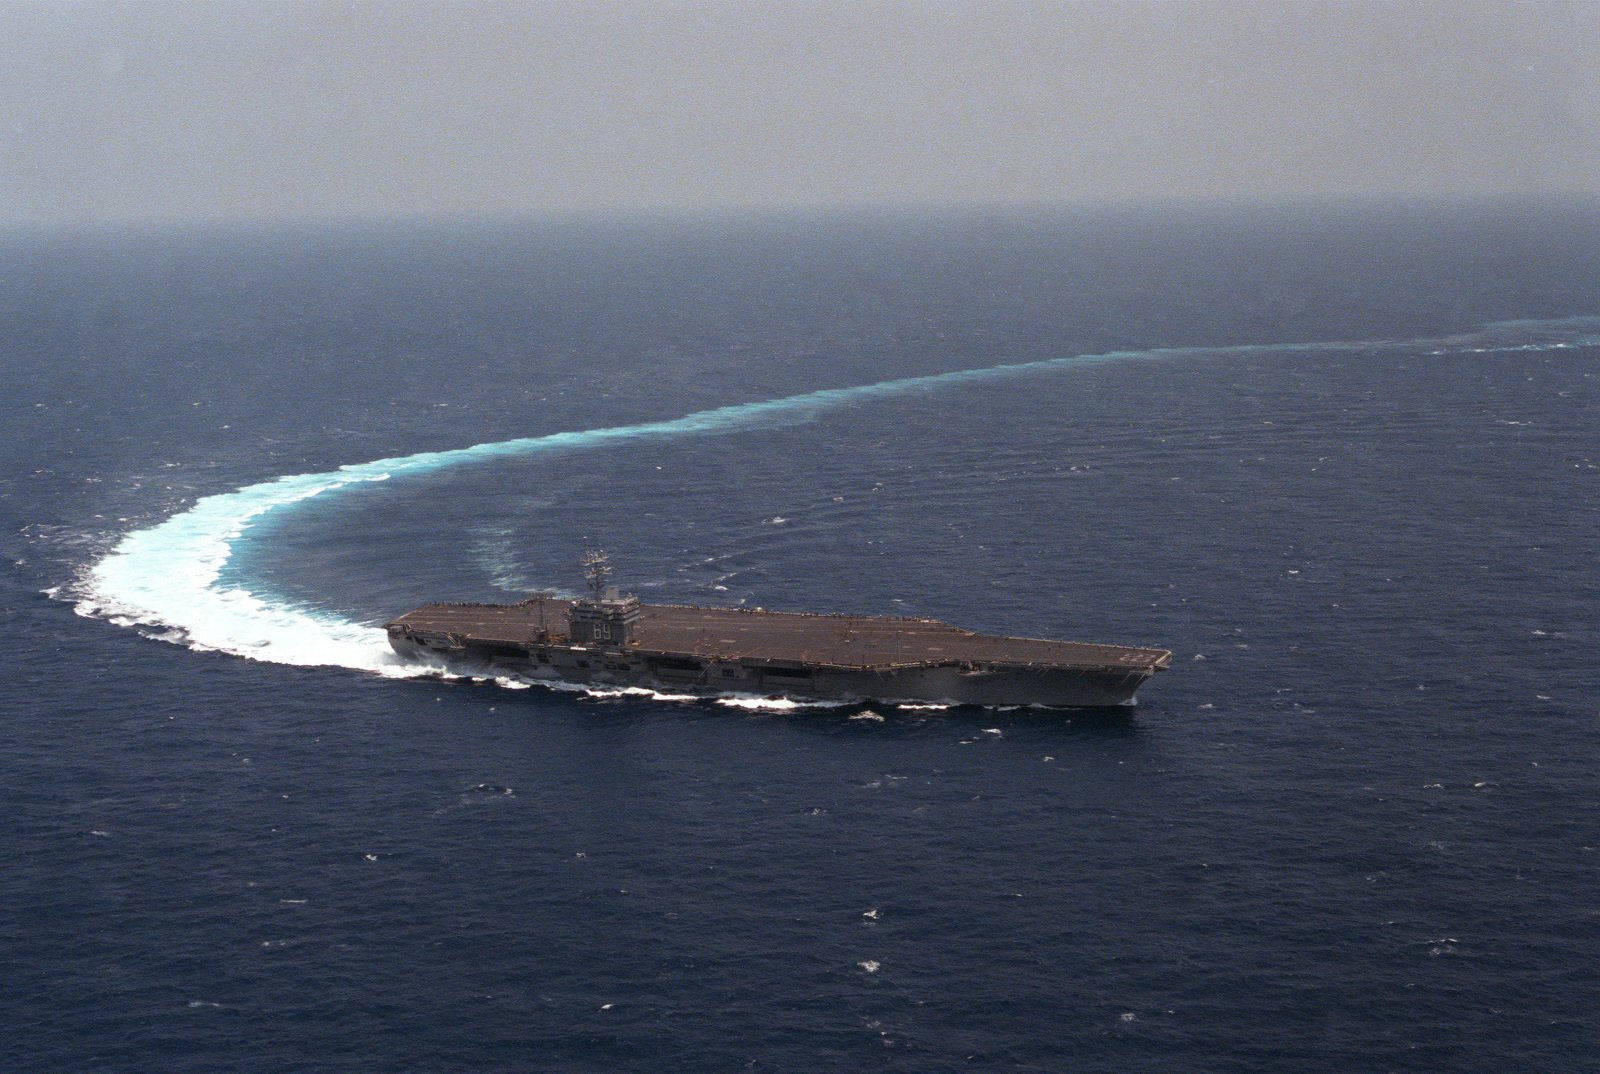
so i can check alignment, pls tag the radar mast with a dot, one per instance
(597, 569)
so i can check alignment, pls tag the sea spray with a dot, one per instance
(167, 576)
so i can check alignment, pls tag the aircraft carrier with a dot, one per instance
(607, 639)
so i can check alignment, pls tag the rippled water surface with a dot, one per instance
(1343, 463)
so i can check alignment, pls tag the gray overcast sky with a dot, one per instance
(115, 111)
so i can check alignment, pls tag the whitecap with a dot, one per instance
(169, 576)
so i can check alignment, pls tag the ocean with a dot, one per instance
(1342, 460)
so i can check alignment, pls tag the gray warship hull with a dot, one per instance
(617, 642)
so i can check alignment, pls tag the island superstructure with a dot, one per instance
(608, 639)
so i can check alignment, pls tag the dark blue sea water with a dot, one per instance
(1345, 462)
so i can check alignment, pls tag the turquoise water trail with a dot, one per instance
(167, 575)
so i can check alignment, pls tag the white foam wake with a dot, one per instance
(168, 576)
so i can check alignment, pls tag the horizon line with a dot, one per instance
(753, 212)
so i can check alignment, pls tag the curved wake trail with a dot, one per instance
(167, 575)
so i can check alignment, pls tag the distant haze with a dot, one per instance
(271, 110)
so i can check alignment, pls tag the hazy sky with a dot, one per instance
(264, 109)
